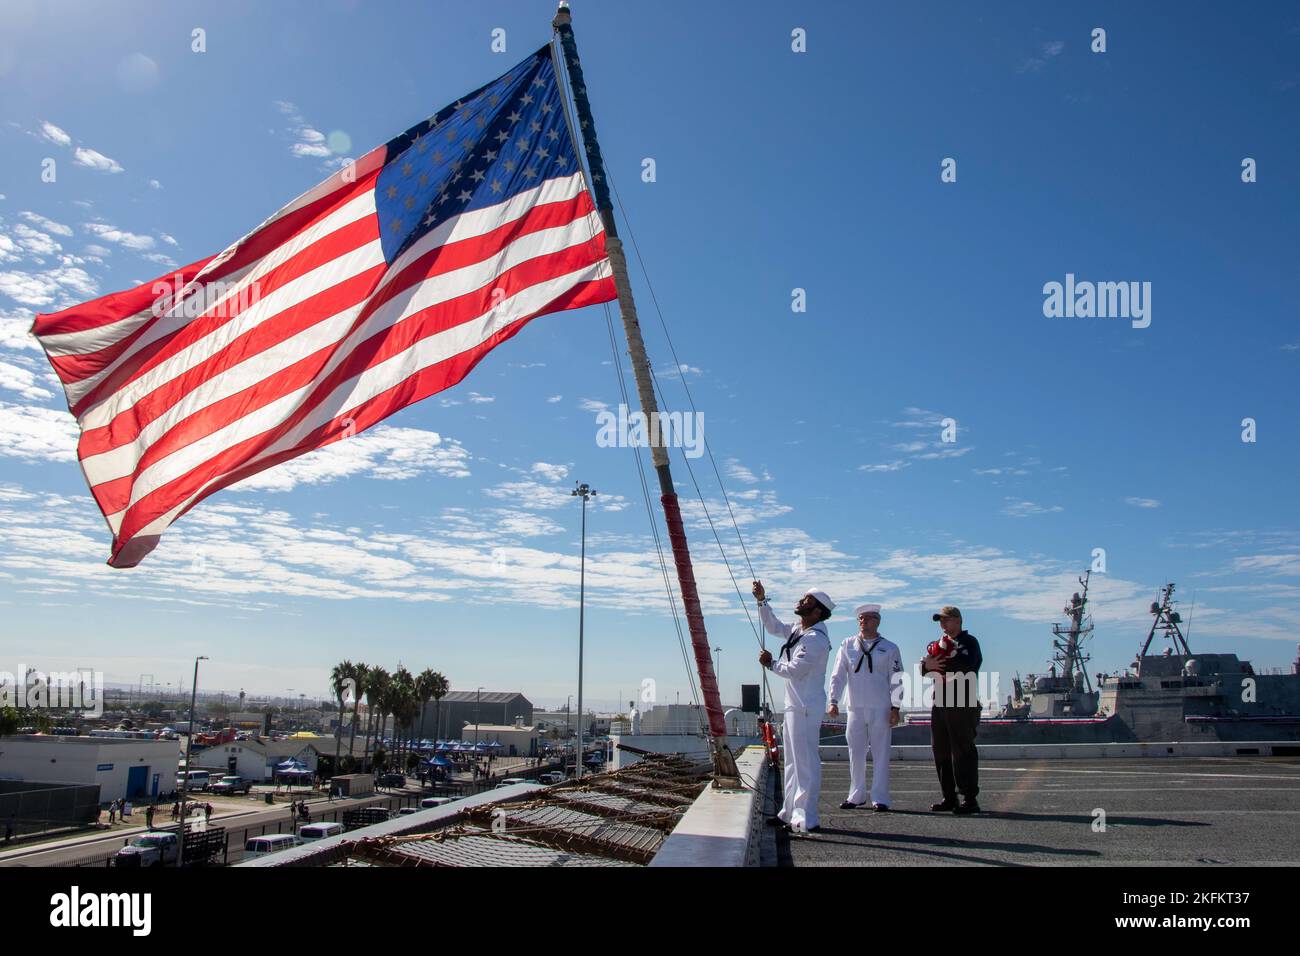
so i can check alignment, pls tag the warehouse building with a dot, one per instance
(461, 707)
(122, 767)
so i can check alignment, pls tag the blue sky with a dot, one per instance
(446, 537)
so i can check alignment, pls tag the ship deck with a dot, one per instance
(1200, 811)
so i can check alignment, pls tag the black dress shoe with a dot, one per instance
(816, 829)
(968, 806)
(847, 805)
(777, 822)
(880, 807)
(943, 805)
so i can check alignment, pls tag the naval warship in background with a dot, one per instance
(1170, 696)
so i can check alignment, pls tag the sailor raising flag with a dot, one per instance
(801, 660)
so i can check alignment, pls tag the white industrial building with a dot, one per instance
(123, 768)
(516, 740)
(677, 728)
(256, 758)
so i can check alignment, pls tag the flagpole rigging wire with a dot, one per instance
(726, 773)
(654, 526)
(592, 151)
(566, 105)
(645, 274)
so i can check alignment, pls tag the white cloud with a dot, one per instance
(15, 332)
(46, 225)
(110, 233)
(1046, 52)
(591, 405)
(476, 399)
(1285, 564)
(31, 433)
(34, 242)
(1142, 502)
(15, 378)
(555, 398)
(309, 142)
(55, 135)
(678, 371)
(1018, 508)
(83, 156)
(739, 472)
(63, 286)
(550, 472)
(896, 465)
(384, 452)
(309, 150)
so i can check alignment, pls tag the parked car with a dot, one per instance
(198, 779)
(154, 848)
(428, 803)
(511, 781)
(318, 831)
(407, 811)
(551, 777)
(262, 845)
(232, 785)
(393, 780)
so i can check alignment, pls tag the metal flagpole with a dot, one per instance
(724, 764)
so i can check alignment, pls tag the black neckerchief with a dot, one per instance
(794, 639)
(866, 653)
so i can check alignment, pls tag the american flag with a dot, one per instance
(383, 285)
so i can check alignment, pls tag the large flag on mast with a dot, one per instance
(383, 285)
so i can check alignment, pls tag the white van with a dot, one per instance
(273, 843)
(198, 779)
(318, 831)
(428, 803)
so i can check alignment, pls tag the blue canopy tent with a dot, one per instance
(291, 772)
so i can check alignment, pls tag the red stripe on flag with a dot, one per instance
(128, 552)
(365, 354)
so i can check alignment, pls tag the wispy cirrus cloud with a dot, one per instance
(1136, 502)
(920, 448)
(1046, 52)
(1019, 508)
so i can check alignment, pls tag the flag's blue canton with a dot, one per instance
(504, 138)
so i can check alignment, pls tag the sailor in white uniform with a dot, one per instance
(867, 679)
(801, 661)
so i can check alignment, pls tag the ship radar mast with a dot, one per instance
(1069, 638)
(1168, 620)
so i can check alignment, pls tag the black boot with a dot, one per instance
(946, 804)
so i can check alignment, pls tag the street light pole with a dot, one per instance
(584, 492)
(478, 694)
(185, 782)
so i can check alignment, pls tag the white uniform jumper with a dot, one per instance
(862, 681)
(802, 662)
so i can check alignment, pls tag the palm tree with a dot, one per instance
(439, 689)
(377, 684)
(340, 680)
(360, 674)
(424, 686)
(402, 706)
